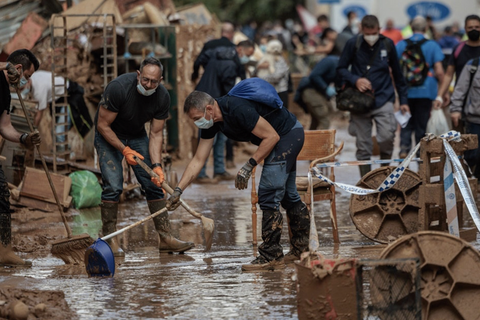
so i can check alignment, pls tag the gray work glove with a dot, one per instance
(29, 140)
(241, 180)
(13, 74)
(174, 201)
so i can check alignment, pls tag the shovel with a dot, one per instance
(208, 224)
(99, 259)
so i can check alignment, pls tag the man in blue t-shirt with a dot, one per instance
(421, 97)
(130, 101)
(279, 137)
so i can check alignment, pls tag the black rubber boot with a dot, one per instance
(271, 253)
(168, 243)
(272, 221)
(364, 169)
(109, 225)
(299, 220)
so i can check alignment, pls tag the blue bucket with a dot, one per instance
(99, 260)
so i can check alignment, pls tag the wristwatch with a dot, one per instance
(252, 162)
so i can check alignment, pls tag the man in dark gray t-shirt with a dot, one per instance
(130, 101)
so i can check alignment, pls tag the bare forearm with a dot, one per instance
(9, 133)
(155, 147)
(108, 134)
(265, 147)
(191, 172)
(445, 83)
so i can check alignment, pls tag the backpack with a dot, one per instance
(412, 62)
(258, 90)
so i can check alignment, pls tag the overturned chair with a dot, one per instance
(319, 147)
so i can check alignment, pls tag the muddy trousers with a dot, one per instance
(272, 221)
(299, 222)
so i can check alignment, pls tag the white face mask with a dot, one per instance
(144, 91)
(371, 39)
(203, 123)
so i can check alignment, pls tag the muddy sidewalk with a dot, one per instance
(195, 285)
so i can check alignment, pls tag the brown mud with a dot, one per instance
(194, 285)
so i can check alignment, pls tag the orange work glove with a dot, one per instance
(161, 177)
(129, 153)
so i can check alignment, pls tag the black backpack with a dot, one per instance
(414, 67)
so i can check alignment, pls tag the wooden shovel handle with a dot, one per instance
(45, 167)
(153, 215)
(166, 187)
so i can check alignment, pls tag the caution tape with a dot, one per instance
(388, 183)
(458, 174)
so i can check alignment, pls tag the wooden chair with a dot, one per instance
(319, 147)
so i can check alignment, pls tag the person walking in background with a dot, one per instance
(129, 101)
(391, 32)
(371, 56)
(314, 92)
(447, 42)
(463, 52)
(465, 105)
(41, 90)
(221, 61)
(418, 53)
(352, 24)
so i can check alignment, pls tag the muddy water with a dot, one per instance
(195, 285)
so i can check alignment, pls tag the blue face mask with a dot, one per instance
(203, 123)
(244, 60)
(144, 91)
(263, 48)
(23, 82)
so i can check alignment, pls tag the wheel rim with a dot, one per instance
(449, 271)
(387, 215)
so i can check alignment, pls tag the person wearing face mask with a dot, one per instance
(221, 63)
(420, 95)
(129, 101)
(462, 53)
(20, 66)
(371, 56)
(279, 137)
(352, 25)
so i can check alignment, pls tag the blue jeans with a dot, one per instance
(420, 111)
(277, 183)
(110, 160)
(473, 156)
(218, 156)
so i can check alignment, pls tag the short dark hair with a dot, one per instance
(24, 57)
(151, 60)
(350, 14)
(246, 44)
(322, 17)
(197, 100)
(472, 17)
(326, 32)
(370, 21)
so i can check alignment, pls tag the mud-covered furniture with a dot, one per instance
(319, 147)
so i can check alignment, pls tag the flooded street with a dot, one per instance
(195, 285)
